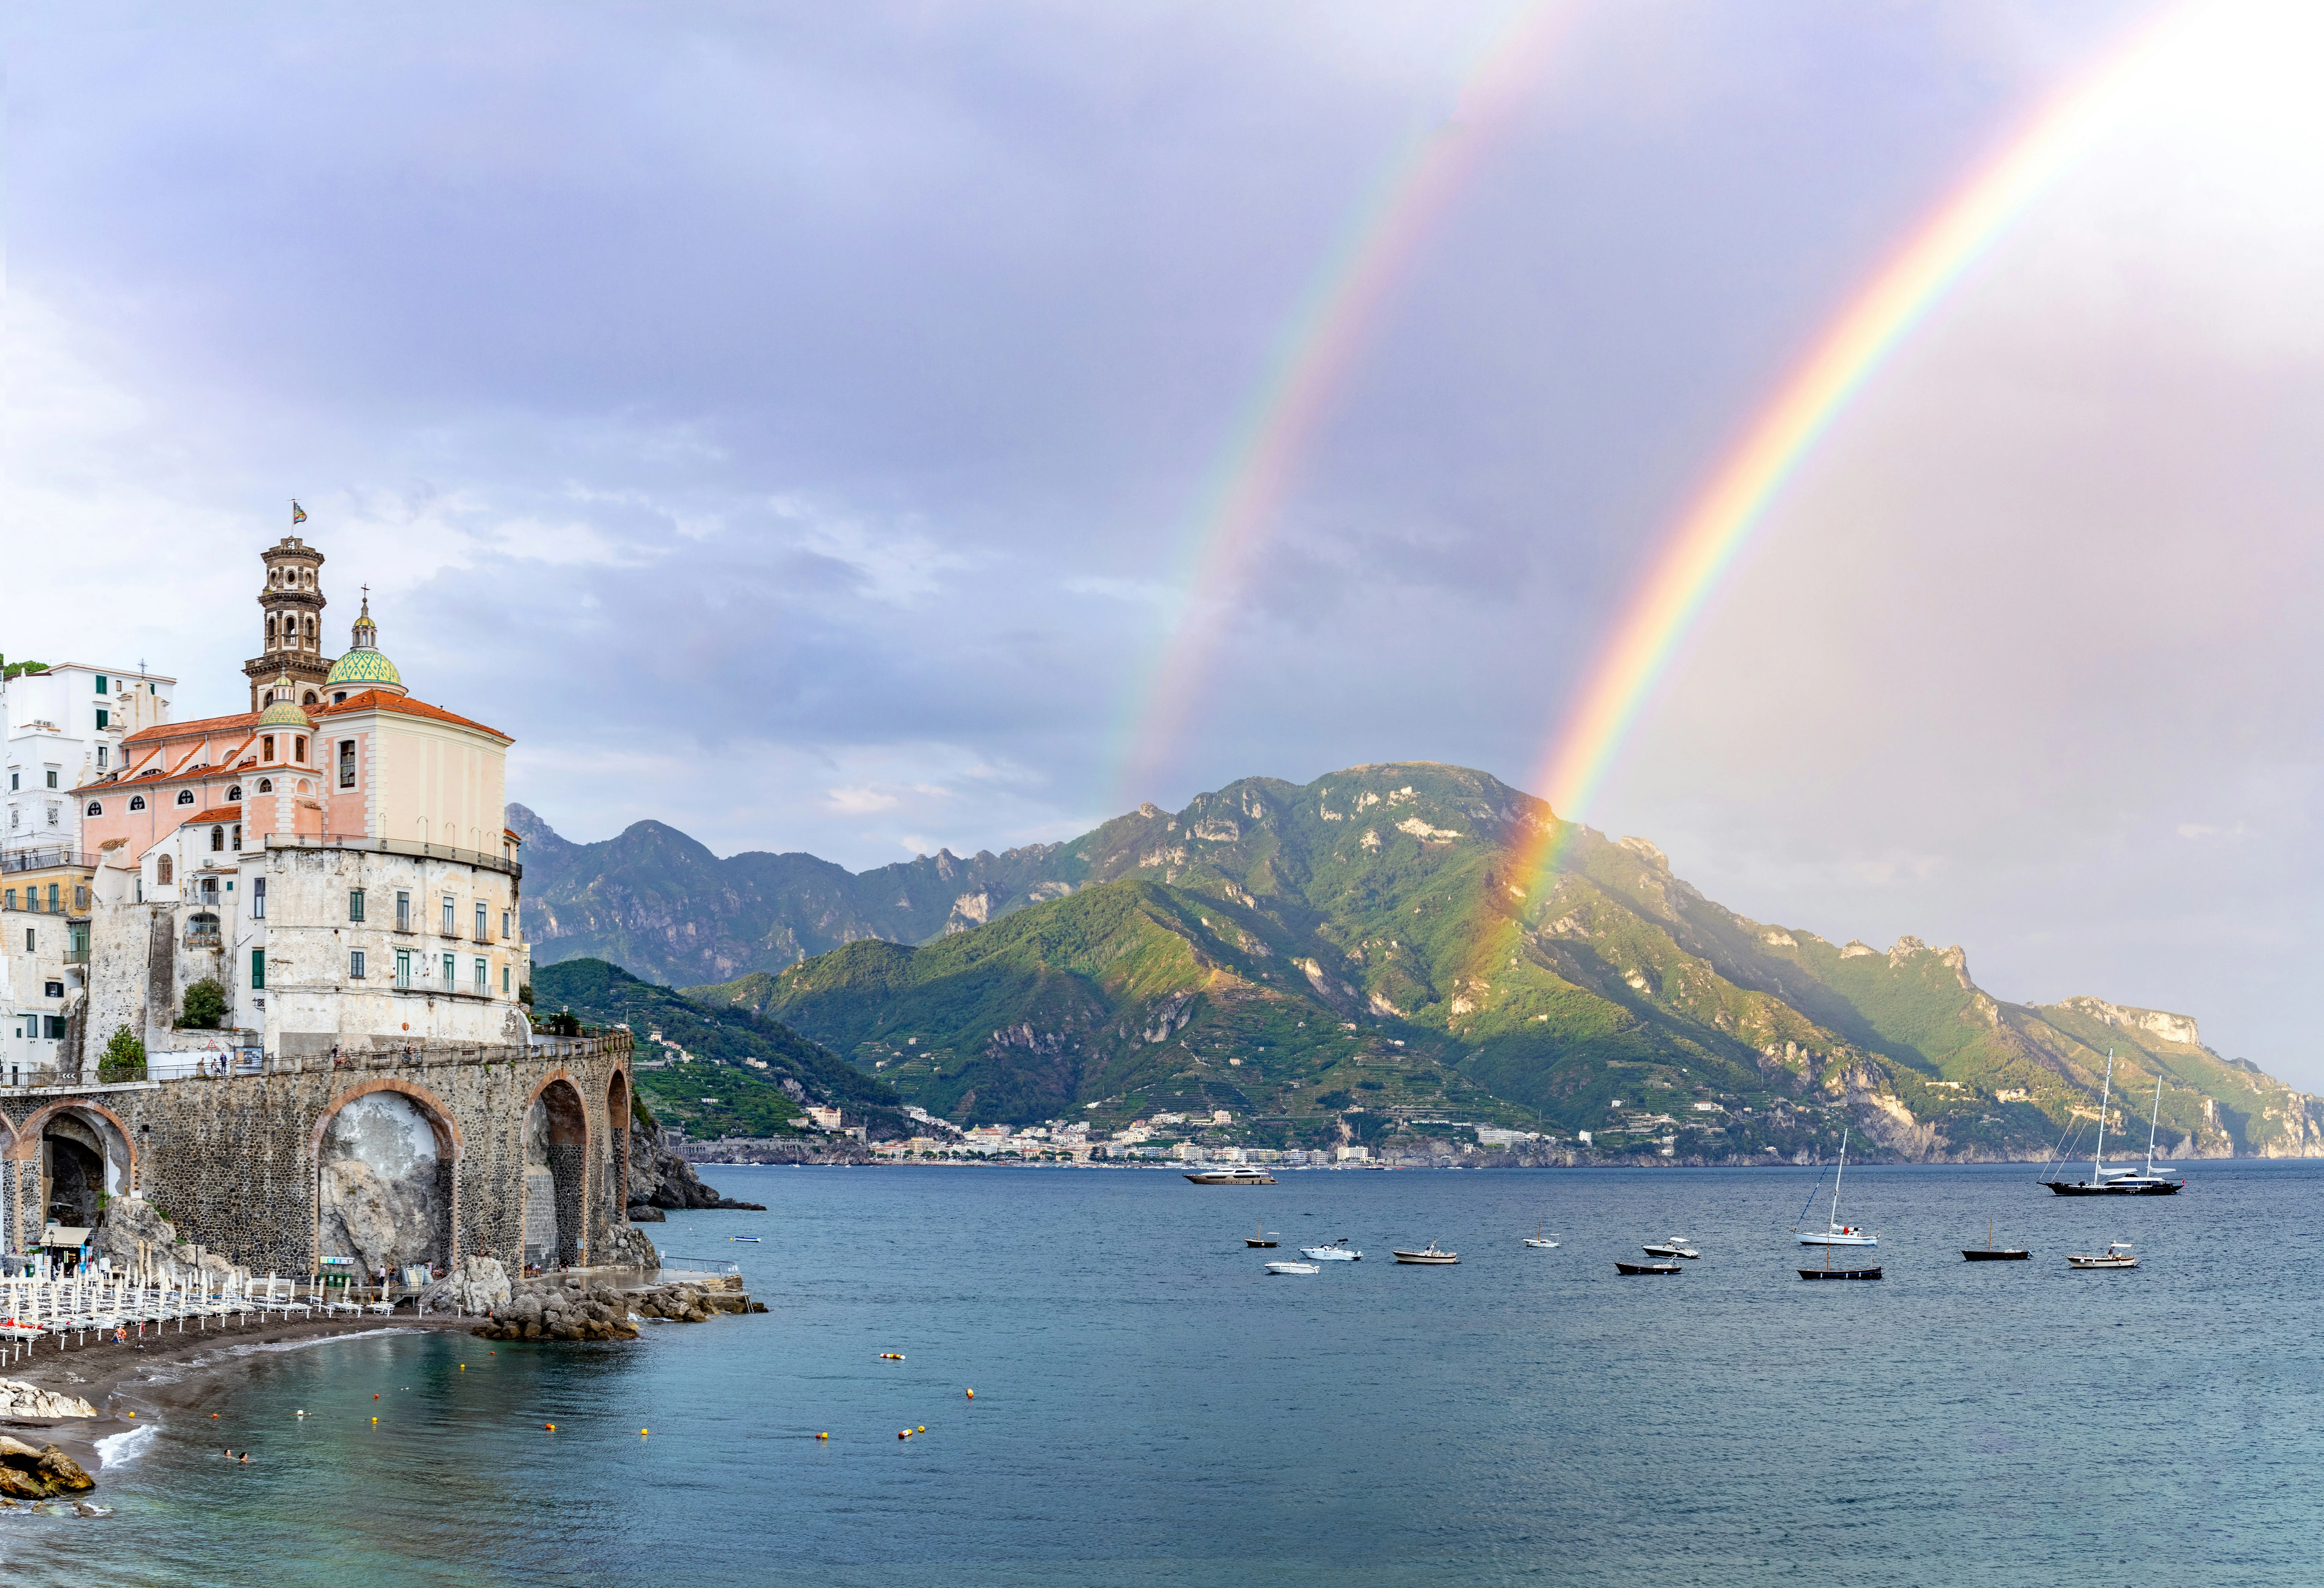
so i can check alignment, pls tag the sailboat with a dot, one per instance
(2133, 1183)
(1264, 1237)
(1990, 1252)
(1537, 1238)
(1837, 1233)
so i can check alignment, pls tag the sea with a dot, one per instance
(1152, 1407)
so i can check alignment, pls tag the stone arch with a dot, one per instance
(386, 1157)
(617, 1146)
(75, 1155)
(555, 1173)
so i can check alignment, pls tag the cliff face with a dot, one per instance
(1376, 945)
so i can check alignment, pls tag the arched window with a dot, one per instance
(233, 794)
(313, 698)
(266, 747)
(137, 802)
(270, 631)
(94, 809)
(238, 836)
(185, 796)
(266, 785)
(201, 924)
(217, 838)
(298, 752)
(161, 870)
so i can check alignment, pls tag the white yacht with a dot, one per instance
(1242, 1174)
(1338, 1252)
(1837, 1233)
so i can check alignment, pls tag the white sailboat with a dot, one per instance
(2130, 1181)
(1837, 1233)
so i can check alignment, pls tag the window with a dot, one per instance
(504, 981)
(80, 902)
(31, 943)
(201, 924)
(346, 762)
(185, 796)
(258, 898)
(52, 815)
(53, 899)
(450, 906)
(104, 719)
(100, 757)
(266, 747)
(52, 989)
(258, 970)
(404, 967)
(339, 698)
(95, 807)
(210, 890)
(484, 920)
(451, 971)
(11, 899)
(238, 836)
(299, 751)
(355, 904)
(137, 802)
(52, 778)
(53, 1028)
(402, 911)
(233, 794)
(161, 870)
(508, 923)
(100, 683)
(356, 965)
(217, 838)
(483, 978)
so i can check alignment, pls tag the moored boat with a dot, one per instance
(1830, 1272)
(1294, 1268)
(1646, 1267)
(1537, 1238)
(2117, 1256)
(1239, 1175)
(1428, 1256)
(1836, 1233)
(1338, 1252)
(1263, 1238)
(2130, 1181)
(1990, 1252)
(1676, 1246)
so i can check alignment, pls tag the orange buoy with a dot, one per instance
(374, 1397)
(972, 1395)
(550, 1426)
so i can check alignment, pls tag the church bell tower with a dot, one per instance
(293, 603)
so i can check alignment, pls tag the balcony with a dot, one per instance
(45, 857)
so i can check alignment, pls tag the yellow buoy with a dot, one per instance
(823, 1436)
(642, 1433)
(375, 1420)
(921, 1429)
(550, 1426)
(972, 1395)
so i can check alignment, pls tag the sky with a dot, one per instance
(801, 425)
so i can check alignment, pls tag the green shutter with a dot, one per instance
(258, 969)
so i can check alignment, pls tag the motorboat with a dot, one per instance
(1428, 1256)
(1338, 1252)
(1990, 1252)
(1537, 1238)
(1676, 1246)
(1263, 1238)
(2117, 1256)
(1294, 1268)
(2130, 1182)
(1836, 1233)
(1646, 1267)
(1242, 1174)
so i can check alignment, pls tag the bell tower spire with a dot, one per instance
(291, 604)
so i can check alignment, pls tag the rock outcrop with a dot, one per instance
(41, 1472)
(20, 1399)
(130, 1230)
(658, 1177)
(627, 1247)
(478, 1285)
(561, 1307)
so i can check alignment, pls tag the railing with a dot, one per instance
(42, 859)
(75, 956)
(476, 857)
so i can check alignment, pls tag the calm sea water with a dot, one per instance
(1150, 1408)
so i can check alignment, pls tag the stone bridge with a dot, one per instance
(426, 1154)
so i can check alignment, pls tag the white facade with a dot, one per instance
(64, 729)
(35, 981)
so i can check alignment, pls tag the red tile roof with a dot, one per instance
(207, 724)
(217, 813)
(372, 700)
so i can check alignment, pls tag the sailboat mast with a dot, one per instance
(2150, 1119)
(2098, 1174)
(1840, 1177)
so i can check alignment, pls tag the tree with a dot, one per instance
(204, 1008)
(124, 1058)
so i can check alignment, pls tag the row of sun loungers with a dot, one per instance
(35, 1309)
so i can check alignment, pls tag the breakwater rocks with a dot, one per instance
(569, 1308)
(39, 1473)
(20, 1399)
(692, 1304)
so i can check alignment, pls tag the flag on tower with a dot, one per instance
(297, 513)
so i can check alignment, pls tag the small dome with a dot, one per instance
(363, 667)
(283, 711)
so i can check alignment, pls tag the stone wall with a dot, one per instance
(235, 1162)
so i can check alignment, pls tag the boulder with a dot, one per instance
(629, 1248)
(20, 1399)
(478, 1285)
(27, 1472)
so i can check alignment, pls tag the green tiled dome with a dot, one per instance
(284, 711)
(361, 670)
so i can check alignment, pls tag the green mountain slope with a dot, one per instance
(694, 1065)
(1368, 942)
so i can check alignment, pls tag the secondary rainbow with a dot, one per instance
(1320, 338)
(1719, 521)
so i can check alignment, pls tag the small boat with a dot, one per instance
(2117, 1256)
(1837, 1233)
(1294, 1268)
(1540, 1240)
(2130, 1182)
(1646, 1267)
(1676, 1246)
(1427, 1255)
(1241, 1174)
(1830, 1272)
(1990, 1252)
(753, 1240)
(1338, 1252)
(1261, 1239)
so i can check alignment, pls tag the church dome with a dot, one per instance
(363, 667)
(283, 711)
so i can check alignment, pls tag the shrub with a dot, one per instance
(124, 1058)
(524, 993)
(1336, 1100)
(204, 1008)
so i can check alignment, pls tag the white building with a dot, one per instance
(65, 725)
(36, 976)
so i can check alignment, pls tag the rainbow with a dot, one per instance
(1247, 479)
(1719, 521)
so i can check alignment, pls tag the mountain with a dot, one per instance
(717, 1072)
(1365, 948)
